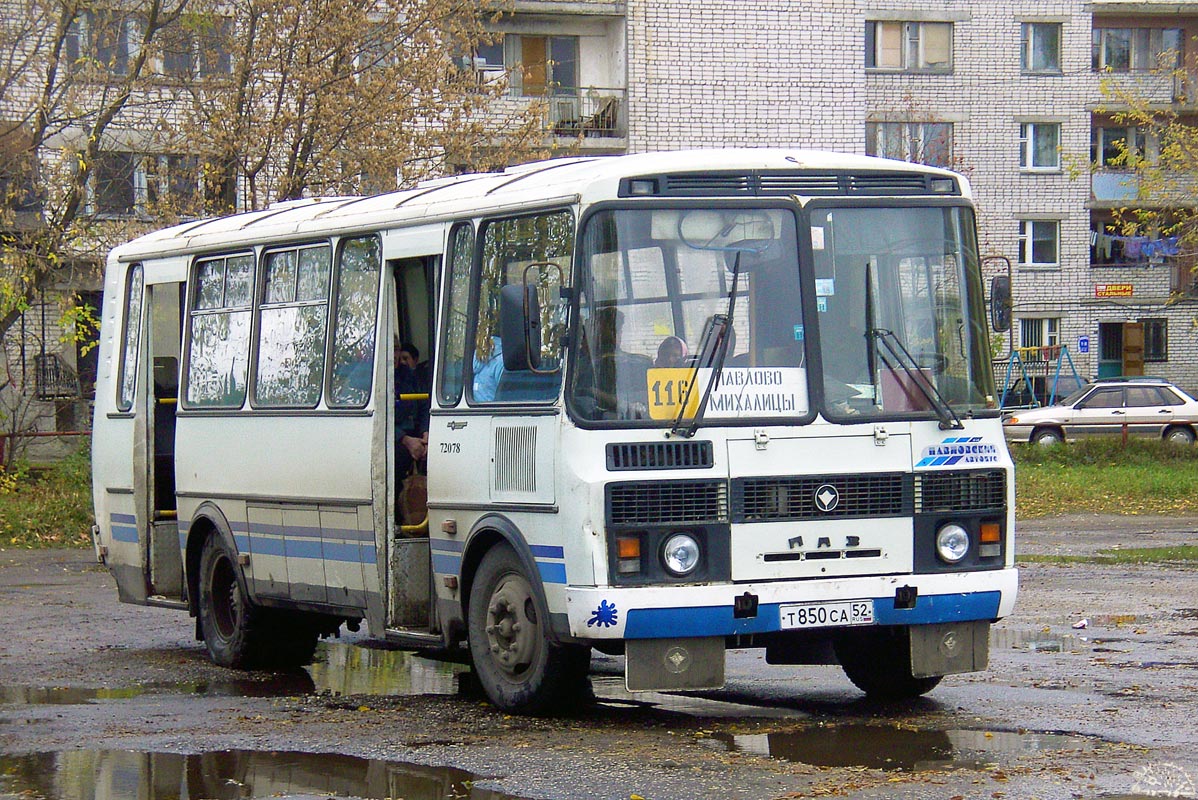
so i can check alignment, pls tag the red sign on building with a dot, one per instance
(1114, 290)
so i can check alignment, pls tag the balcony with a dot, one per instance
(1118, 188)
(590, 113)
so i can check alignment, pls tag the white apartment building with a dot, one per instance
(1007, 91)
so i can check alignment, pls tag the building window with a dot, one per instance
(1039, 332)
(1041, 47)
(536, 65)
(197, 47)
(909, 46)
(1039, 146)
(928, 143)
(1109, 143)
(1136, 49)
(106, 38)
(133, 184)
(1156, 339)
(1039, 243)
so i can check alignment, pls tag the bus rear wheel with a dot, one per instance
(229, 622)
(878, 662)
(518, 666)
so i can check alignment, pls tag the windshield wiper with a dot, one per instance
(721, 326)
(893, 346)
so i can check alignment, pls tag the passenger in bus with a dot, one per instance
(487, 372)
(411, 418)
(671, 353)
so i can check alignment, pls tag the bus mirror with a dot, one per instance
(520, 326)
(1000, 303)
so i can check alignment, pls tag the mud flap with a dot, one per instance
(949, 648)
(666, 664)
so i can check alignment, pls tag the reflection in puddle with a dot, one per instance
(227, 775)
(889, 748)
(610, 689)
(1037, 641)
(339, 669)
(349, 669)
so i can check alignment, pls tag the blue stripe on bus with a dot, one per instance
(552, 572)
(446, 564)
(939, 608)
(653, 623)
(446, 546)
(122, 519)
(546, 551)
(124, 533)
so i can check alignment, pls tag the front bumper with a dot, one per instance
(708, 610)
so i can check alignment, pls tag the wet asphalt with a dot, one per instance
(1092, 691)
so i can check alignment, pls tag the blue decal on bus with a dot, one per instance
(605, 616)
(552, 572)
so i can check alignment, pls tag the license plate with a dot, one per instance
(825, 615)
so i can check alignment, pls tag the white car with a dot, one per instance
(1147, 407)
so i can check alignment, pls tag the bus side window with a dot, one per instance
(358, 265)
(509, 248)
(455, 317)
(217, 365)
(129, 354)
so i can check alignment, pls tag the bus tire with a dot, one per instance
(878, 662)
(519, 668)
(231, 624)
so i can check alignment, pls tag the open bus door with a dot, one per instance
(162, 554)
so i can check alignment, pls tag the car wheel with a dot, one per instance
(1047, 436)
(1179, 435)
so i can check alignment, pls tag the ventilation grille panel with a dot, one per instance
(961, 490)
(516, 458)
(659, 455)
(667, 502)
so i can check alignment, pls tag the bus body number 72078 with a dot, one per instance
(820, 615)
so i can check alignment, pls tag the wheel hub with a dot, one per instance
(512, 631)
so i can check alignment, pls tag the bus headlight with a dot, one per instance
(680, 554)
(952, 543)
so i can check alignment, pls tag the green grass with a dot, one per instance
(1106, 476)
(47, 508)
(1136, 555)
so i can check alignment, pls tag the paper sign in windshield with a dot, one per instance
(740, 392)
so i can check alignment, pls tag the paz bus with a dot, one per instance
(677, 403)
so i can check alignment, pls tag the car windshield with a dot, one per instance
(1078, 395)
(902, 328)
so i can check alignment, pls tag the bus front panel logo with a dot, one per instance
(827, 498)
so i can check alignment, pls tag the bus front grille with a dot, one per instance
(667, 502)
(961, 490)
(773, 499)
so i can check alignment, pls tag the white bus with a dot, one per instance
(679, 403)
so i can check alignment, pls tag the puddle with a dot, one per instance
(350, 669)
(339, 669)
(1037, 641)
(899, 749)
(228, 775)
(610, 689)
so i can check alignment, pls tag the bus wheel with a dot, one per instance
(228, 620)
(878, 662)
(517, 665)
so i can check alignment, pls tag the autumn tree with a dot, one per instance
(353, 96)
(75, 77)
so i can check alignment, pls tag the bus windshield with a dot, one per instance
(902, 327)
(695, 315)
(668, 295)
